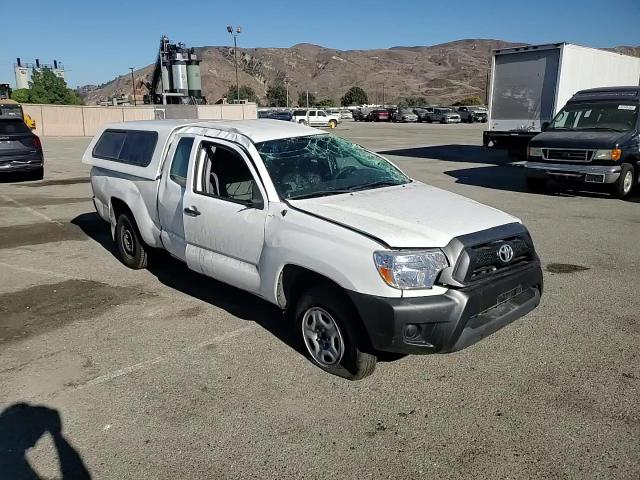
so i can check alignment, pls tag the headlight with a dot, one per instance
(614, 154)
(534, 151)
(409, 270)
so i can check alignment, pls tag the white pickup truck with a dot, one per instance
(316, 118)
(364, 258)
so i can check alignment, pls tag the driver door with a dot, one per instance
(224, 214)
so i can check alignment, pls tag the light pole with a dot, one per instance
(286, 84)
(133, 86)
(235, 34)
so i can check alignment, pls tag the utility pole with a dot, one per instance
(235, 34)
(383, 103)
(307, 98)
(133, 86)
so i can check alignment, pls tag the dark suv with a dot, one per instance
(594, 139)
(20, 149)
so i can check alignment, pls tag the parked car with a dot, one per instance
(282, 115)
(360, 115)
(404, 115)
(592, 140)
(316, 118)
(443, 115)
(363, 258)
(20, 149)
(472, 114)
(346, 114)
(378, 115)
(423, 113)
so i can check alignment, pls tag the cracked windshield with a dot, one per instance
(319, 165)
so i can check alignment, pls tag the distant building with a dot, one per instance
(23, 71)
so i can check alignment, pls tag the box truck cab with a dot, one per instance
(593, 139)
(529, 85)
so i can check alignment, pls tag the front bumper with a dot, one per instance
(21, 163)
(585, 173)
(453, 321)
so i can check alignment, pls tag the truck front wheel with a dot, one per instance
(624, 184)
(328, 326)
(130, 246)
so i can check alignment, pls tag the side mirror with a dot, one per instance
(545, 125)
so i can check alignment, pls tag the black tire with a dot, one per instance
(443, 120)
(537, 184)
(131, 248)
(302, 122)
(354, 363)
(429, 120)
(624, 185)
(37, 174)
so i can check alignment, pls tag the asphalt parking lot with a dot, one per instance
(162, 373)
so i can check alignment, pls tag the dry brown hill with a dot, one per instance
(442, 73)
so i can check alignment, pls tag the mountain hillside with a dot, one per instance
(442, 73)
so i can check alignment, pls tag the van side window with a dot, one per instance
(180, 162)
(134, 147)
(223, 173)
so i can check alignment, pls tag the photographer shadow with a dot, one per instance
(21, 427)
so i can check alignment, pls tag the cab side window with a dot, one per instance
(312, 113)
(180, 162)
(223, 173)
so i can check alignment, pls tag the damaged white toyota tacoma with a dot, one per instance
(364, 258)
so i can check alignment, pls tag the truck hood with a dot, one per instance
(414, 215)
(573, 139)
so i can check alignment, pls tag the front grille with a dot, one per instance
(484, 259)
(567, 155)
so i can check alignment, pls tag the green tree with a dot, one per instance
(21, 95)
(412, 102)
(302, 99)
(277, 95)
(246, 93)
(354, 96)
(475, 100)
(47, 87)
(324, 103)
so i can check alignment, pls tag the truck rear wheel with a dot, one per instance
(328, 326)
(131, 248)
(623, 186)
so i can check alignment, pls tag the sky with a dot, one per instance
(98, 40)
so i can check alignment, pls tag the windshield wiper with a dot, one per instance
(318, 193)
(607, 129)
(381, 183)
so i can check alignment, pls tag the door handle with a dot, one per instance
(192, 211)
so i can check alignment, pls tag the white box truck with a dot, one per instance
(530, 84)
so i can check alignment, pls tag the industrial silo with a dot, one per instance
(193, 76)
(179, 74)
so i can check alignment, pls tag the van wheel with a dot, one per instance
(130, 246)
(302, 122)
(624, 184)
(328, 328)
(537, 184)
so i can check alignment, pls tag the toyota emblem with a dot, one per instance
(505, 253)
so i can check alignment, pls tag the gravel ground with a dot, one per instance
(162, 373)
